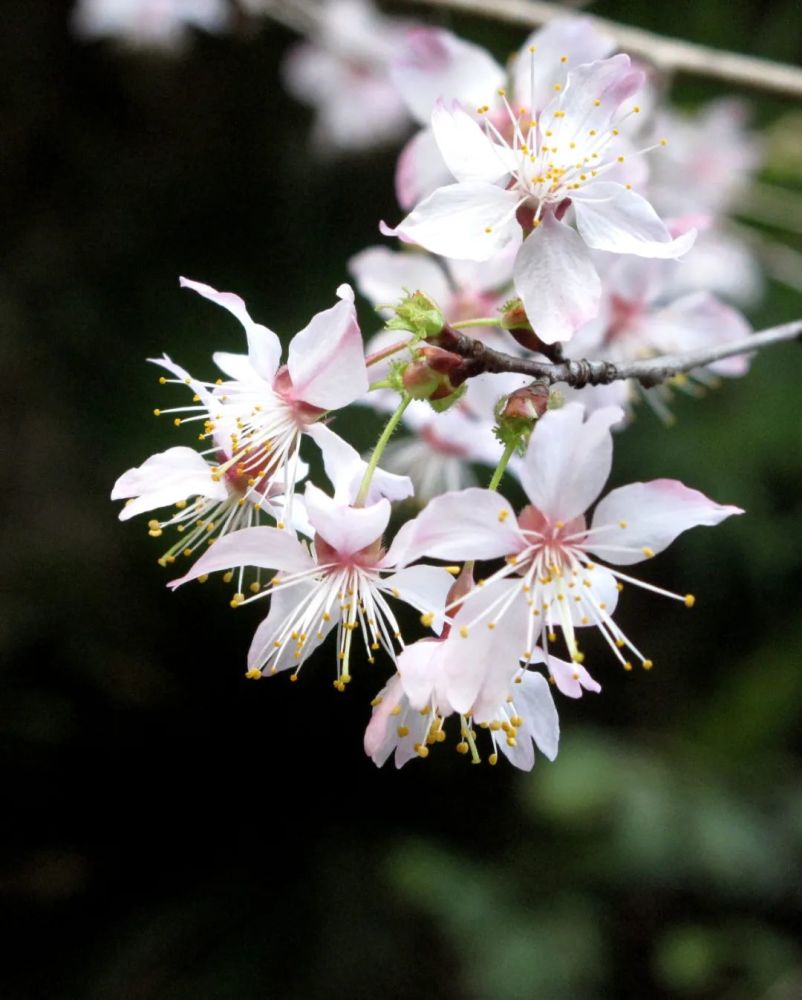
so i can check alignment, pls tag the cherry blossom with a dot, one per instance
(436, 65)
(551, 578)
(342, 581)
(161, 24)
(506, 190)
(256, 417)
(343, 74)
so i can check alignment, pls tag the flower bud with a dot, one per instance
(429, 377)
(514, 319)
(527, 403)
(419, 314)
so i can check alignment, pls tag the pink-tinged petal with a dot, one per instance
(645, 518)
(345, 470)
(237, 367)
(346, 529)
(166, 478)
(469, 154)
(575, 37)
(266, 548)
(283, 605)
(610, 217)
(198, 388)
(608, 81)
(568, 460)
(556, 281)
(437, 64)
(479, 661)
(326, 360)
(420, 170)
(264, 347)
(471, 524)
(488, 276)
(418, 666)
(700, 320)
(383, 276)
(535, 705)
(380, 736)
(570, 678)
(424, 587)
(471, 221)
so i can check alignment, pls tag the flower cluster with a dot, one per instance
(532, 224)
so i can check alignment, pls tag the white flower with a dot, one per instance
(505, 189)
(148, 23)
(343, 581)
(551, 579)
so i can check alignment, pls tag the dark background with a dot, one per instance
(172, 831)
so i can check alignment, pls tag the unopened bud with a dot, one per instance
(515, 320)
(527, 403)
(436, 374)
(419, 314)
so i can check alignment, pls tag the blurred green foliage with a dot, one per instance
(171, 831)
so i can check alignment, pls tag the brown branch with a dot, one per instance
(669, 54)
(578, 374)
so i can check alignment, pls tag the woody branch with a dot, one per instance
(578, 374)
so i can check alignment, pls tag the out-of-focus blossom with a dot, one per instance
(342, 73)
(437, 65)
(524, 186)
(343, 581)
(550, 578)
(161, 24)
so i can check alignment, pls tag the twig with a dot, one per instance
(670, 54)
(578, 374)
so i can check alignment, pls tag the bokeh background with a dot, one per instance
(173, 831)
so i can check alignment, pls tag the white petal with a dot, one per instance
(468, 152)
(470, 524)
(568, 460)
(346, 529)
(237, 367)
(420, 170)
(556, 281)
(172, 475)
(610, 217)
(424, 587)
(570, 678)
(471, 221)
(696, 321)
(437, 64)
(608, 81)
(345, 470)
(647, 517)
(418, 665)
(266, 548)
(539, 712)
(326, 360)
(283, 604)
(383, 275)
(264, 347)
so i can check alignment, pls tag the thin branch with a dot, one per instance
(578, 374)
(669, 54)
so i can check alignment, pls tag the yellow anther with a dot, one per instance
(627, 665)
(559, 525)
(503, 515)
(427, 618)
(664, 142)
(421, 750)
(488, 229)
(462, 747)
(647, 664)
(511, 741)
(157, 413)
(491, 625)
(493, 759)
(552, 636)
(563, 59)
(204, 578)
(162, 380)
(253, 674)
(636, 109)
(647, 551)
(501, 92)
(155, 532)
(403, 731)
(254, 587)
(596, 103)
(228, 577)
(377, 701)
(620, 159)
(294, 677)
(592, 132)
(177, 422)
(453, 570)
(690, 600)
(622, 524)
(463, 631)
(558, 87)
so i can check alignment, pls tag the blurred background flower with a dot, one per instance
(171, 830)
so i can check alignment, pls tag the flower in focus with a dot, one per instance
(436, 65)
(342, 582)
(159, 24)
(551, 579)
(255, 418)
(343, 74)
(508, 189)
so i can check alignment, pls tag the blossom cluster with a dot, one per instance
(533, 217)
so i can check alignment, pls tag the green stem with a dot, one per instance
(480, 321)
(502, 466)
(381, 444)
